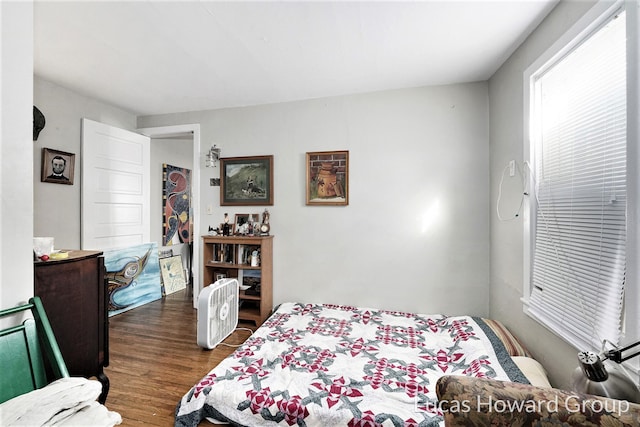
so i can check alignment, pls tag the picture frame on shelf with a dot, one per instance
(242, 219)
(58, 167)
(239, 224)
(327, 178)
(246, 181)
(251, 280)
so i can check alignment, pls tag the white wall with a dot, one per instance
(16, 152)
(632, 295)
(412, 152)
(506, 107)
(57, 207)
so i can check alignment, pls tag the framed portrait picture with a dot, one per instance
(246, 181)
(328, 178)
(57, 166)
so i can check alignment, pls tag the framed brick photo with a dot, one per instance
(328, 178)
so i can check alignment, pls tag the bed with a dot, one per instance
(334, 365)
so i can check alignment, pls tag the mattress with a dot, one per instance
(334, 365)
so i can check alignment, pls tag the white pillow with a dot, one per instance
(533, 370)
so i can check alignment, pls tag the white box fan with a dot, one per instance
(217, 312)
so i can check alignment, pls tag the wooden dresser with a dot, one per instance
(74, 293)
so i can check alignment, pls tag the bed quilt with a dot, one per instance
(334, 365)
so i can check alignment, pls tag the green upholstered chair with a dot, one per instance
(27, 351)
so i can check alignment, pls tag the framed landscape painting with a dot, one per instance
(246, 181)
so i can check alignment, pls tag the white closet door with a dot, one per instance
(115, 187)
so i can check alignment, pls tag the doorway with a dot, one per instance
(189, 135)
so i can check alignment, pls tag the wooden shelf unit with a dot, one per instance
(253, 308)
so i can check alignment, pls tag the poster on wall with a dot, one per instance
(177, 223)
(133, 276)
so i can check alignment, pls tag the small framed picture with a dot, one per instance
(172, 273)
(328, 178)
(242, 221)
(220, 276)
(57, 166)
(246, 181)
(241, 224)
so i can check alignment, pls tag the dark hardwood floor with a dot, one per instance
(154, 359)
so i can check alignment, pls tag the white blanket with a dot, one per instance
(65, 402)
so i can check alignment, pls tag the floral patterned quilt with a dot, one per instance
(333, 365)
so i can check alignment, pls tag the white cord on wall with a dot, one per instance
(523, 193)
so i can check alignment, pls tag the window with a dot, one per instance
(578, 194)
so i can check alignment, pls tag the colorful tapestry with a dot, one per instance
(176, 205)
(332, 365)
(133, 276)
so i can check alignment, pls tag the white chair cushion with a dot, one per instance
(65, 402)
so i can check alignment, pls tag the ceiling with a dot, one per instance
(154, 57)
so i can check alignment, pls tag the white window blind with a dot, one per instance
(579, 166)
